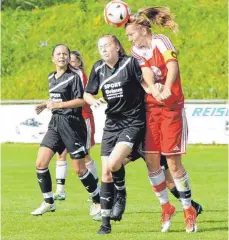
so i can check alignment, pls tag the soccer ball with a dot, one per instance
(116, 13)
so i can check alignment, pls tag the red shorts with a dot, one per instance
(166, 131)
(90, 131)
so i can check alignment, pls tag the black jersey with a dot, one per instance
(65, 88)
(120, 86)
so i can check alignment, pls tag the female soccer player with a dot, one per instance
(119, 77)
(66, 129)
(76, 61)
(166, 130)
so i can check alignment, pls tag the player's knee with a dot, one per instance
(41, 164)
(80, 169)
(107, 178)
(80, 172)
(114, 166)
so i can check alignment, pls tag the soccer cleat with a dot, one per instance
(95, 209)
(59, 196)
(168, 211)
(97, 217)
(198, 208)
(104, 229)
(190, 219)
(119, 206)
(45, 207)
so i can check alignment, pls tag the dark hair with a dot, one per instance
(60, 44)
(115, 39)
(79, 57)
(154, 15)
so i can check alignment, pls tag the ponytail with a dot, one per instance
(154, 15)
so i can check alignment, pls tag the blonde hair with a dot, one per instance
(154, 15)
(115, 39)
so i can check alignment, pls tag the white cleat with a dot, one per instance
(193, 229)
(95, 212)
(165, 226)
(190, 219)
(45, 207)
(168, 212)
(59, 196)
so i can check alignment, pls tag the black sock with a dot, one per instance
(45, 182)
(175, 193)
(60, 181)
(119, 179)
(91, 186)
(106, 200)
(97, 180)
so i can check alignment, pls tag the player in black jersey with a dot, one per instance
(66, 129)
(119, 77)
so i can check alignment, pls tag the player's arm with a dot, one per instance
(76, 95)
(75, 103)
(168, 52)
(149, 79)
(148, 83)
(40, 107)
(91, 90)
(173, 70)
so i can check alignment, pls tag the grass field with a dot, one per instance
(207, 167)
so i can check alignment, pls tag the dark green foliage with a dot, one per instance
(28, 38)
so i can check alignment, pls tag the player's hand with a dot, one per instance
(159, 87)
(165, 94)
(39, 108)
(51, 105)
(98, 102)
(156, 94)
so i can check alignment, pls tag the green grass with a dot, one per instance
(206, 165)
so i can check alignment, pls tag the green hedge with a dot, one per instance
(28, 38)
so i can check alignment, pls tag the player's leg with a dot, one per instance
(61, 173)
(174, 144)
(91, 166)
(46, 151)
(106, 195)
(129, 138)
(152, 148)
(182, 183)
(107, 184)
(119, 153)
(89, 182)
(90, 163)
(74, 135)
(172, 187)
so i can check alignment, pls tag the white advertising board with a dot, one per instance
(208, 123)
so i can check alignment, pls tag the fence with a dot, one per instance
(207, 120)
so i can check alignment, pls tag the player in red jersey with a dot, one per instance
(61, 165)
(167, 130)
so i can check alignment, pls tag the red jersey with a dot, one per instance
(162, 51)
(86, 110)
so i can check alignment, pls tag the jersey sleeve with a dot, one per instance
(77, 87)
(93, 82)
(141, 60)
(136, 70)
(166, 48)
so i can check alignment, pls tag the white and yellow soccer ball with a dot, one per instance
(117, 13)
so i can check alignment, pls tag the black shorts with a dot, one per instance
(131, 135)
(66, 132)
(136, 154)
